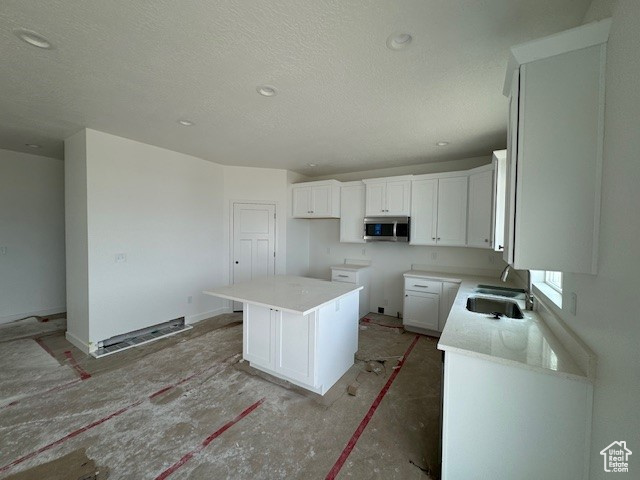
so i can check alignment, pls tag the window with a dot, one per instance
(554, 280)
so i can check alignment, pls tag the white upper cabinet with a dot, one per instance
(439, 210)
(556, 89)
(388, 196)
(452, 211)
(424, 212)
(481, 204)
(316, 199)
(352, 199)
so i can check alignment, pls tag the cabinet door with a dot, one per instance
(452, 211)
(421, 309)
(480, 221)
(352, 214)
(398, 197)
(259, 335)
(302, 202)
(376, 199)
(424, 212)
(296, 339)
(449, 292)
(321, 201)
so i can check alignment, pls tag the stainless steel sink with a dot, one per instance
(493, 306)
(501, 291)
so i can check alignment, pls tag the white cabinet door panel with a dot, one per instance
(424, 212)
(398, 197)
(421, 310)
(480, 209)
(321, 200)
(301, 201)
(452, 211)
(376, 201)
(296, 339)
(259, 336)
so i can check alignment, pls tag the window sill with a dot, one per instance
(547, 293)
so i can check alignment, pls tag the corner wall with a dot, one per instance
(32, 255)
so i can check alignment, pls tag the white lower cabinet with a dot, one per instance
(427, 302)
(539, 423)
(358, 276)
(421, 309)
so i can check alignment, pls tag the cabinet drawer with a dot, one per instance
(422, 285)
(344, 276)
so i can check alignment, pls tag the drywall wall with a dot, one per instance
(389, 261)
(32, 258)
(76, 239)
(433, 167)
(297, 233)
(163, 212)
(607, 303)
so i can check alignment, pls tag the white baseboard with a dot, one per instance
(203, 316)
(38, 313)
(76, 342)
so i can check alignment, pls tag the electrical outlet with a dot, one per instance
(385, 302)
(3, 250)
(492, 259)
(364, 251)
(328, 250)
(121, 257)
(434, 256)
(189, 299)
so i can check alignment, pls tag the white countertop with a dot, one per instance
(349, 267)
(298, 295)
(526, 343)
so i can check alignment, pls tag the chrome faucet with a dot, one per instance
(528, 296)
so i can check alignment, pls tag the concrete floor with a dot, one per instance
(135, 414)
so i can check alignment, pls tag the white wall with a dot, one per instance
(32, 267)
(607, 317)
(77, 241)
(433, 167)
(164, 211)
(297, 233)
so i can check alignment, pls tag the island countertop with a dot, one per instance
(299, 295)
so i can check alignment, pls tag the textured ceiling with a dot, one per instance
(345, 101)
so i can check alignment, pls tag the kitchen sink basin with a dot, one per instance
(501, 291)
(494, 306)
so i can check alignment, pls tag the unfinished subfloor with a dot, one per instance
(188, 407)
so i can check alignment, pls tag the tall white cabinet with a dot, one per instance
(352, 200)
(556, 87)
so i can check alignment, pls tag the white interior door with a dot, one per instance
(254, 242)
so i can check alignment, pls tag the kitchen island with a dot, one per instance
(302, 330)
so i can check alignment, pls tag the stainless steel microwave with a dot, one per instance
(387, 229)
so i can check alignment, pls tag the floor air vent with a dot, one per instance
(140, 337)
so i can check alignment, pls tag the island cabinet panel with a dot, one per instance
(298, 334)
(259, 335)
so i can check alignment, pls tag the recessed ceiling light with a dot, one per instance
(266, 90)
(399, 41)
(312, 164)
(33, 145)
(186, 123)
(442, 144)
(32, 38)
